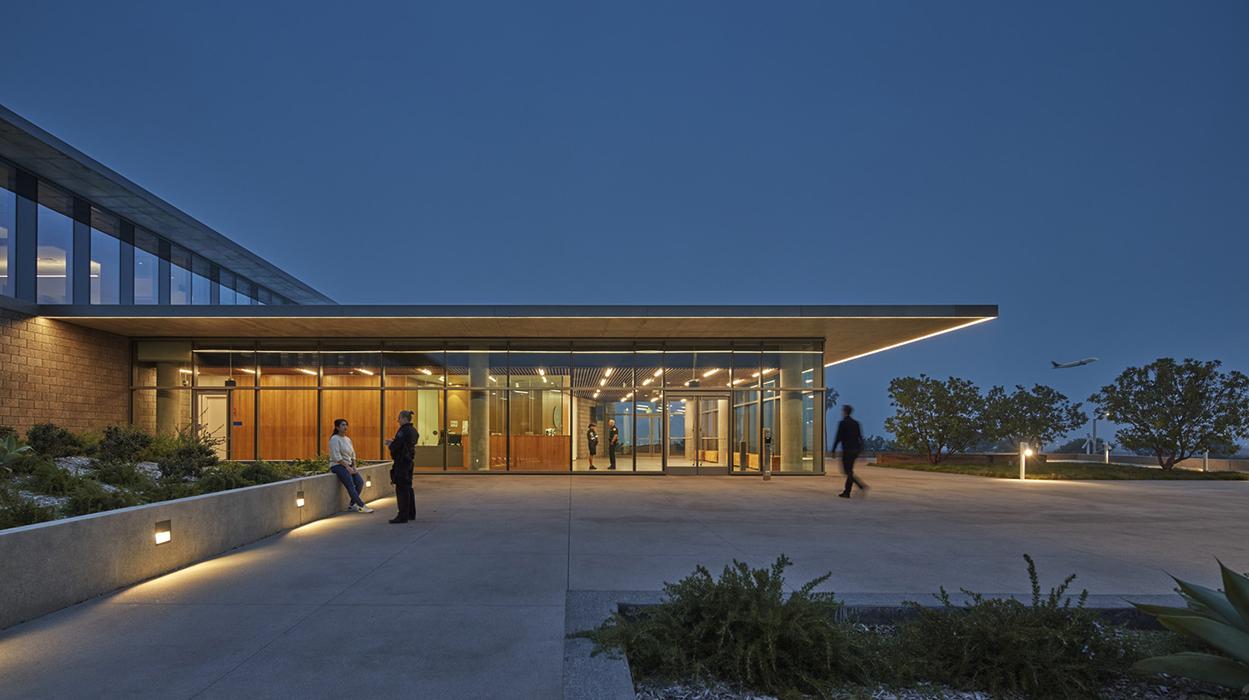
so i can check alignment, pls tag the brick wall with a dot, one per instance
(76, 377)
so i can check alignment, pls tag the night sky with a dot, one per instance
(1085, 166)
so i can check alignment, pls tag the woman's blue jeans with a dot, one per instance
(352, 482)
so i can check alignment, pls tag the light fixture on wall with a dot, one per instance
(163, 531)
(368, 483)
(299, 499)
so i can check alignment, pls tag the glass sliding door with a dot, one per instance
(698, 433)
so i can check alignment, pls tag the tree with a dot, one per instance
(1039, 416)
(935, 417)
(1175, 410)
(877, 443)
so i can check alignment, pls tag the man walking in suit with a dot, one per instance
(850, 437)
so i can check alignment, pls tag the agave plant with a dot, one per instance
(1218, 618)
(10, 452)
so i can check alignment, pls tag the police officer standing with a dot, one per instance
(613, 441)
(591, 437)
(403, 452)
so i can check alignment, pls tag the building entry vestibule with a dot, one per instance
(697, 435)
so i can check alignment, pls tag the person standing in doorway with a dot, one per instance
(850, 438)
(591, 437)
(403, 452)
(343, 465)
(613, 442)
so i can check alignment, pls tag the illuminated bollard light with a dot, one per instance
(299, 499)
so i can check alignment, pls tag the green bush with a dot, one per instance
(90, 497)
(51, 440)
(121, 473)
(267, 472)
(189, 456)
(41, 475)
(1050, 649)
(123, 443)
(16, 511)
(222, 477)
(742, 628)
(7, 431)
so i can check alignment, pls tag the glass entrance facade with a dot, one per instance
(489, 406)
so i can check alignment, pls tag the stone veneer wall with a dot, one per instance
(76, 377)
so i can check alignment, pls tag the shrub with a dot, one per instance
(90, 497)
(121, 473)
(1050, 649)
(268, 472)
(43, 476)
(742, 628)
(305, 467)
(123, 443)
(16, 511)
(7, 431)
(51, 440)
(190, 455)
(222, 477)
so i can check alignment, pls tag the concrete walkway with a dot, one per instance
(469, 602)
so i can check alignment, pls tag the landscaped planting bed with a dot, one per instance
(54, 473)
(742, 636)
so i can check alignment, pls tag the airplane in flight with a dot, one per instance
(1077, 363)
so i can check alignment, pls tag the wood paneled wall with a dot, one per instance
(288, 419)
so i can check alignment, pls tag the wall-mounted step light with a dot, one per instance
(368, 482)
(164, 531)
(299, 499)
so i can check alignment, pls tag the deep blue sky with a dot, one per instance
(1083, 165)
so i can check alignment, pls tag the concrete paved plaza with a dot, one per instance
(469, 602)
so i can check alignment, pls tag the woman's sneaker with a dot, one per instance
(353, 508)
(364, 509)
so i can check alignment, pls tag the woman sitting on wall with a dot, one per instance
(343, 464)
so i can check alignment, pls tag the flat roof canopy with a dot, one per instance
(848, 332)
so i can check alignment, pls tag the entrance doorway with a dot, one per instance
(697, 436)
(213, 420)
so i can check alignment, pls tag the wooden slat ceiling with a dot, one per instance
(844, 337)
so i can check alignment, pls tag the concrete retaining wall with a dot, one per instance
(52, 565)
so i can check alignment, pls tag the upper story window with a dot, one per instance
(179, 276)
(146, 267)
(8, 229)
(54, 262)
(106, 246)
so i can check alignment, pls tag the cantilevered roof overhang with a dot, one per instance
(848, 332)
(45, 155)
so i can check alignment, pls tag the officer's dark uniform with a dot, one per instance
(403, 452)
(613, 440)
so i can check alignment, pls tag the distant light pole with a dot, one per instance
(1024, 453)
(1093, 446)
